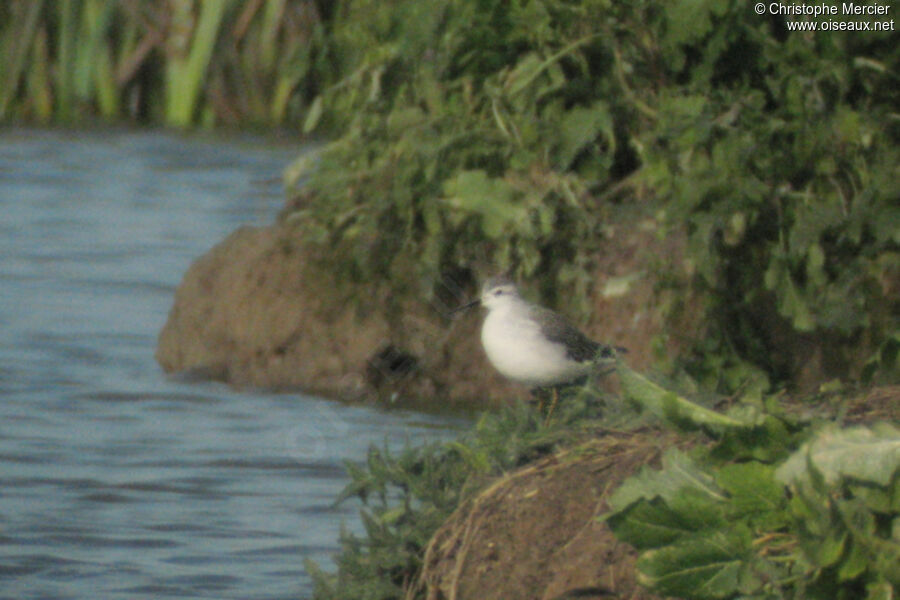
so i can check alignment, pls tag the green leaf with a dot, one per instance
(405, 118)
(391, 516)
(669, 406)
(770, 442)
(815, 262)
(826, 551)
(876, 498)
(654, 523)
(649, 524)
(793, 305)
(854, 563)
(580, 126)
(431, 216)
(886, 359)
(754, 492)
(880, 590)
(710, 567)
(862, 453)
(526, 71)
(492, 198)
(857, 517)
(313, 114)
(678, 472)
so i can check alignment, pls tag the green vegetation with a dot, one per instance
(406, 496)
(776, 508)
(486, 132)
(506, 134)
(764, 504)
(180, 63)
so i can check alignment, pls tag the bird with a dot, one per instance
(533, 345)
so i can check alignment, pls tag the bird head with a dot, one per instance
(494, 291)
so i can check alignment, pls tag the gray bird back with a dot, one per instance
(557, 329)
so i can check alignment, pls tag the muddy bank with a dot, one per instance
(534, 533)
(260, 310)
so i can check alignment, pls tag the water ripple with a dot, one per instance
(115, 480)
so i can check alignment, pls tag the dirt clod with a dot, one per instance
(533, 534)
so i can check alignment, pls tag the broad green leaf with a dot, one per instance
(862, 453)
(679, 109)
(678, 472)
(791, 303)
(649, 524)
(855, 562)
(880, 590)
(691, 20)
(886, 358)
(754, 492)
(769, 442)
(492, 198)
(619, 286)
(813, 510)
(580, 126)
(876, 498)
(669, 406)
(857, 517)
(887, 560)
(828, 550)
(709, 567)
(654, 523)
(700, 510)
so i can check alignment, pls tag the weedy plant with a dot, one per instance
(766, 505)
(507, 133)
(771, 509)
(486, 132)
(407, 495)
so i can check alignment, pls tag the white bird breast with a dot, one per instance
(517, 348)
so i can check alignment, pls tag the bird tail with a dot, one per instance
(606, 358)
(606, 353)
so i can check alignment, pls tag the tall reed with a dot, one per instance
(181, 62)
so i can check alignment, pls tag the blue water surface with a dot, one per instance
(117, 481)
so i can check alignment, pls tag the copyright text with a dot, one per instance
(831, 17)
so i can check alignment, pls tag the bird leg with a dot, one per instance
(552, 405)
(541, 394)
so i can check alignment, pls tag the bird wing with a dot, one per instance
(556, 328)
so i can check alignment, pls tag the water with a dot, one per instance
(116, 481)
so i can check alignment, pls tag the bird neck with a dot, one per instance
(511, 307)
